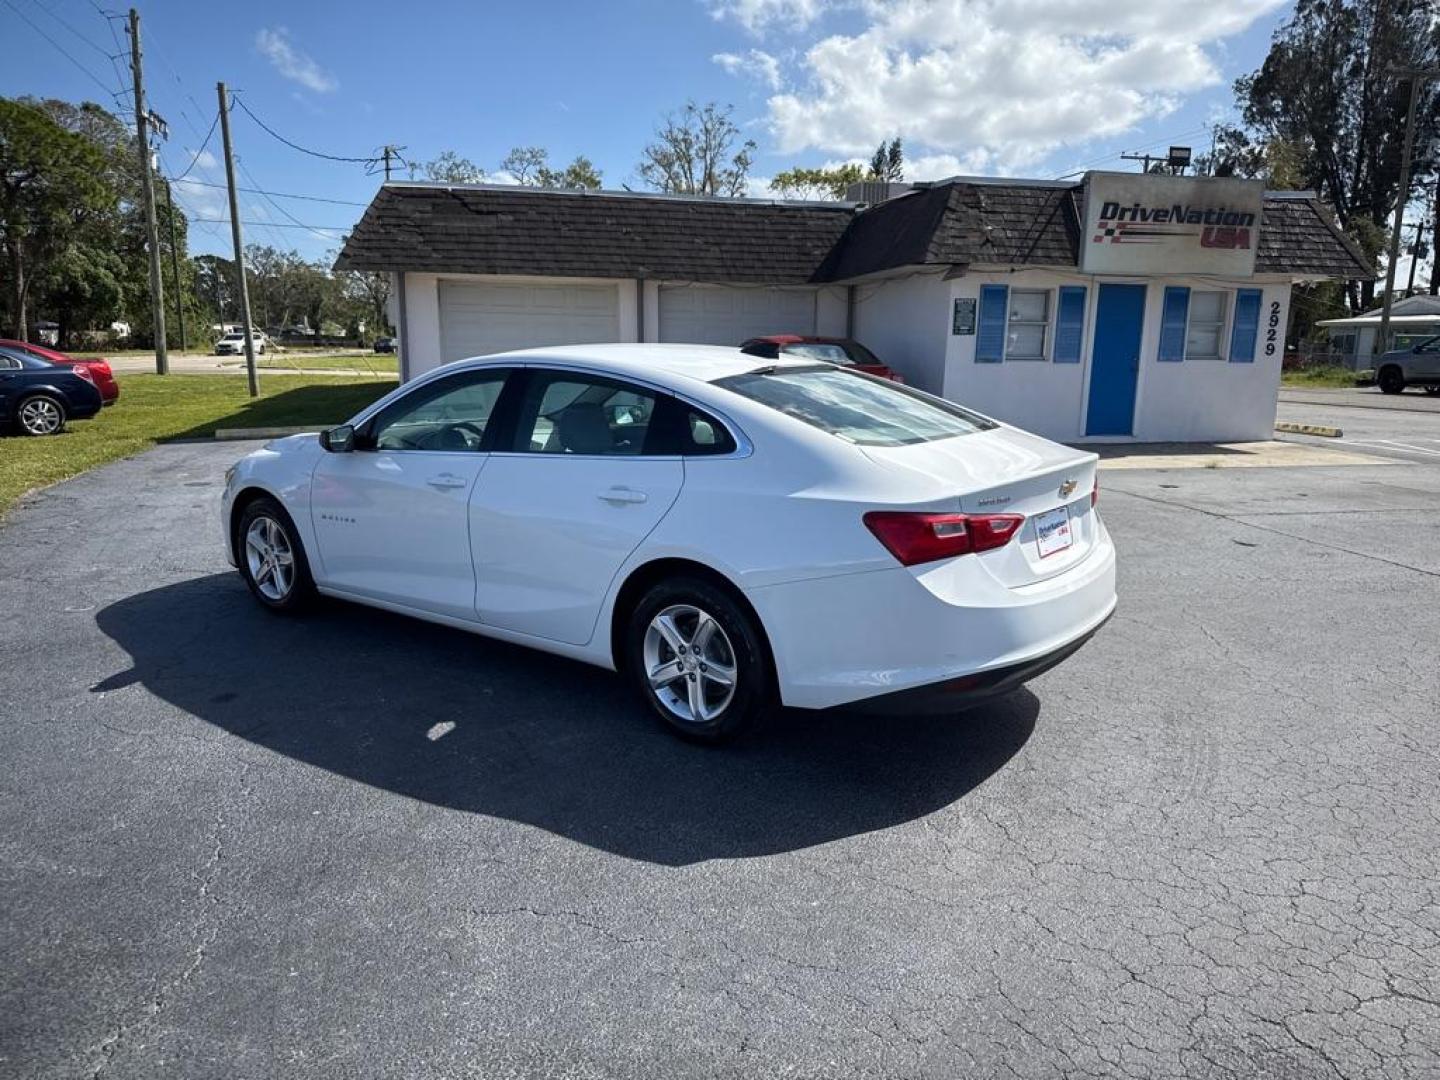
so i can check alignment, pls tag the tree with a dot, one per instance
(450, 168)
(888, 161)
(530, 166)
(369, 290)
(1328, 91)
(817, 183)
(50, 187)
(692, 153)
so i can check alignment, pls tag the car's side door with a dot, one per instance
(1425, 360)
(557, 512)
(391, 516)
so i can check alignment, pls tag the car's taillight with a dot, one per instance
(1095, 491)
(84, 373)
(920, 538)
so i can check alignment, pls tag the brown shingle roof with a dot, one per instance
(490, 230)
(510, 230)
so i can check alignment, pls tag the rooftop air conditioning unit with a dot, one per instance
(871, 192)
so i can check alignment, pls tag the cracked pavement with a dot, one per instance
(234, 845)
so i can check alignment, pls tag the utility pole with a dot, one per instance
(387, 152)
(1402, 196)
(1419, 228)
(250, 372)
(147, 188)
(175, 268)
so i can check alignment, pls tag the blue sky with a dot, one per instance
(1024, 87)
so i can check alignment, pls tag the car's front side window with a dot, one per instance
(578, 414)
(448, 415)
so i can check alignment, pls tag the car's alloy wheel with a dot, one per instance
(1391, 381)
(697, 656)
(690, 663)
(270, 557)
(41, 415)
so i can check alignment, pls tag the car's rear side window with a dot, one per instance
(860, 410)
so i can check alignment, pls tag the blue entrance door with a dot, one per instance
(1115, 364)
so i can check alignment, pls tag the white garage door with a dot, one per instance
(727, 315)
(476, 319)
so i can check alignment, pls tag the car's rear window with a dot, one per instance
(861, 410)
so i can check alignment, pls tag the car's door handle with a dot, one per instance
(447, 480)
(623, 495)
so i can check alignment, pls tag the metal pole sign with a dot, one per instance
(1158, 224)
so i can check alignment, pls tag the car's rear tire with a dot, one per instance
(40, 414)
(696, 656)
(1391, 380)
(272, 559)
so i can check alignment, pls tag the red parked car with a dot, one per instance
(95, 371)
(844, 352)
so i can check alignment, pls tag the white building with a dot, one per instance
(1126, 307)
(1354, 341)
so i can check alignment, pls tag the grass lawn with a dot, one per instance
(153, 409)
(1325, 375)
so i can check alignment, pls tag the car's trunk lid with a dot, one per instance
(1006, 471)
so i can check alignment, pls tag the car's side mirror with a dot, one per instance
(338, 440)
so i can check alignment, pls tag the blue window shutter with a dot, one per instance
(1173, 317)
(1247, 326)
(1070, 324)
(994, 313)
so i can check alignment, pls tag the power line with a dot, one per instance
(62, 50)
(1119, 154)
(198, 153)
(271, 224)
(293, 145)
(283, 212)
(280, 194)
(74, 32)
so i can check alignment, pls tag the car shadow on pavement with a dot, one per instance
(479, 726)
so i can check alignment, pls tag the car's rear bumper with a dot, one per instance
(866, 639)
(967, 691)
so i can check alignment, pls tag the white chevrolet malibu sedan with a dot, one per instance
(729, 533)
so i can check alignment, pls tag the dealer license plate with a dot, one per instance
(1052, 531)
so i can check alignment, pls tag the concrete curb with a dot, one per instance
(1308, 429)
(236, 433)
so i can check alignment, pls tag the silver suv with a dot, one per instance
(1419, 365)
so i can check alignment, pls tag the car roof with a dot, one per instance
(701, 363)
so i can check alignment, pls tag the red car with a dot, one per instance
(845, 352)
(95, 371)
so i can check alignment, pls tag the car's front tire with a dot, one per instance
(40, 414)
(696, 656)
(271, 557)
(1391, 380)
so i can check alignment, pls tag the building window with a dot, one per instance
(1207, 325)
(1029, 324)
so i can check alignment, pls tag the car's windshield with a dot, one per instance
(860, 410)
(819, 350)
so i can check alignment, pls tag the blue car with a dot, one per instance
(38, 397)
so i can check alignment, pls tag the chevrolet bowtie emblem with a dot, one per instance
(1067, 487)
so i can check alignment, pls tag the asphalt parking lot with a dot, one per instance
(233, 845)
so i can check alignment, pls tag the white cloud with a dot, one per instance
(206, 160)
(276, 46)
(999, 84)
(760, 15)
(755, 63)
